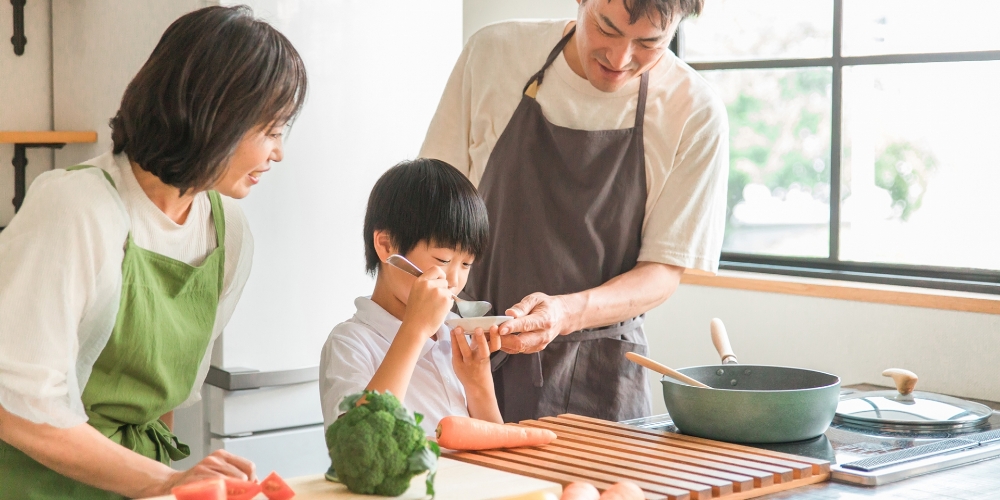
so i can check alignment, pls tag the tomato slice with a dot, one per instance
(206, 489)
(241, 490)
(275, 488)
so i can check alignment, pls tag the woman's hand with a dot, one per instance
(220, 463)
(429, 302)
(471, 360)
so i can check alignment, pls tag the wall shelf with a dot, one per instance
(22, 140)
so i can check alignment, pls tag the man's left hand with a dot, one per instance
(539, 318)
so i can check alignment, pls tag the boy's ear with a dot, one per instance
(383, 245)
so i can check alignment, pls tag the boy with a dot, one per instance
(430, 213)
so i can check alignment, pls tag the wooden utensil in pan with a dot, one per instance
(663, 369)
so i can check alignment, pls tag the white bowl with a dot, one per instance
(470, 324)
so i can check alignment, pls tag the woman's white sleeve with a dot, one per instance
(55, 260)
(239, 258)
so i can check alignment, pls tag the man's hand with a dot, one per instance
(540, 318)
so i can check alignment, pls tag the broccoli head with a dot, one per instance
(378, 446)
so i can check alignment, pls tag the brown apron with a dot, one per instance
(566, 209)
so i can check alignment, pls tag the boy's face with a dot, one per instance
(454, 262)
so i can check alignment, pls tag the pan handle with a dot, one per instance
(721, 340)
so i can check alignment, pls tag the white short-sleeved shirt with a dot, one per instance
(686, 130)
(356, 348)
(60, 280)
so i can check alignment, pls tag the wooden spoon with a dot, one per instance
(663, 369)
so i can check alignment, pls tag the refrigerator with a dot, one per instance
(376, 71)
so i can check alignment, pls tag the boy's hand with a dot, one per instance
(471, 358)
(429, 301)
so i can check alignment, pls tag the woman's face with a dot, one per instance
(253, 156)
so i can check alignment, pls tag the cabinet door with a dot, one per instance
(290, 453)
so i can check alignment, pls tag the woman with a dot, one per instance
(117, 275)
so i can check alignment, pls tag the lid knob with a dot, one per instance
(905, 379)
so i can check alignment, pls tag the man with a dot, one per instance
(603, 161)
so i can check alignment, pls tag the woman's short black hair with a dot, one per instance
(425, 200)
(216, 74)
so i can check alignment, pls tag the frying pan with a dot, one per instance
(751, 403)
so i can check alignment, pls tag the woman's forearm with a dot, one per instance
(83, 454)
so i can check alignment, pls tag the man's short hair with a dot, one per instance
(216, 74)
(425, 200)
(660, 10)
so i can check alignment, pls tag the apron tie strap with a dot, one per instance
(153, 439)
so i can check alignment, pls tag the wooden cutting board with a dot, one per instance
(455, 481)
(670, 466)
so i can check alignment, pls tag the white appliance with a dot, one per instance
(376, 71)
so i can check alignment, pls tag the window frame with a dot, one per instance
(832, 267)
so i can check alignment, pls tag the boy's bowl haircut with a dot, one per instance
(425, 200)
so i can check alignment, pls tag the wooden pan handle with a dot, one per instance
(721, 340)
(663, 369)
(905, 379)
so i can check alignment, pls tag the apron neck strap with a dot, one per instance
(531, 88)
(536, 79)
(640, 106)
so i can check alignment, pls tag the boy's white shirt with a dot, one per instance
(356, 348)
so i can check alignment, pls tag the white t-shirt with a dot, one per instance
(356, 348)
(686, 130)
(61, 276)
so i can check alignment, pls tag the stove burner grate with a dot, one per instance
(911, 454)
(985, 437)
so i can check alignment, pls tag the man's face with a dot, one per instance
(612, 51)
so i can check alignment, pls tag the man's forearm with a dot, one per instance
(626, 296)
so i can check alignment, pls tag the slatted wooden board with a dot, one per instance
(665, 466)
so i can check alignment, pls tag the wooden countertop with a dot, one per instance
(455, 481)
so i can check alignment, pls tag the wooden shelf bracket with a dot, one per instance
(19, 40)
(44, 139)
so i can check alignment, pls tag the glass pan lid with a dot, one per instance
(917, 409)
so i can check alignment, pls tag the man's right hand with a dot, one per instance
(429, 301)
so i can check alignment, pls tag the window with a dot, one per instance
(865, 137)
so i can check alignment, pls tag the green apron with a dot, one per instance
(148, 368)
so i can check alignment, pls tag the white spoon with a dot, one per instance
(466, 308)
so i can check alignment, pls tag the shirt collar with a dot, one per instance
(387, 326)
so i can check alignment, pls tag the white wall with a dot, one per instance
(98, 46)
(479, 13)
(376, 72)
(952, 352)
(25, 93)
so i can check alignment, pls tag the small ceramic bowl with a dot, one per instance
(470, 324)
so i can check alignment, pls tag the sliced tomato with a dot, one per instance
(206, 489)
(241, 490)
(275, 488)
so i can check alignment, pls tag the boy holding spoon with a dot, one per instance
(428, 212)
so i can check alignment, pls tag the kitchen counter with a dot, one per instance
(980, 481)
(455, 481)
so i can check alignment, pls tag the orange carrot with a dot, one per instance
(623, 491)
(464, 433)
(580, 491)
